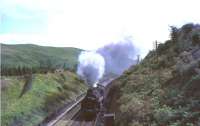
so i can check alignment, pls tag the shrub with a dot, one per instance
(196, 39)
(187, 28)
(164, 114)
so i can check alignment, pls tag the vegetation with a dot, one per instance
(164, 88)
(45, 95)
(25, 58)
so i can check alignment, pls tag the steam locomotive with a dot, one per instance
(94, 102)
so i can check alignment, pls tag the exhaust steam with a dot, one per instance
(91, 67)
(112, 59)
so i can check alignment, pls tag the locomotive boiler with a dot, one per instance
(94, 101)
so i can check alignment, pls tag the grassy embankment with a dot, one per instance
(47, 93)
(159, 91)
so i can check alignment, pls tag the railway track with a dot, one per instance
(66, 117)
(72, 115)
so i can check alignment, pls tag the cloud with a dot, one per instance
(17, 17)
(90, 24)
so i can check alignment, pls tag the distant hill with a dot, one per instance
(28, 55)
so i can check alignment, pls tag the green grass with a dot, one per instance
(42, 99)
(33, 56)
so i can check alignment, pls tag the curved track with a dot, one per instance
(72, 115)
(66, 117)
(73, 118)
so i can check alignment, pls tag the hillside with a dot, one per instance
(163, 90)
(34, 56)
(44, 95)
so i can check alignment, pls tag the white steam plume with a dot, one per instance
(91, 67)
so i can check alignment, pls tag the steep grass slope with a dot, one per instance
(46, 94)
(164, 89)
(36, 56)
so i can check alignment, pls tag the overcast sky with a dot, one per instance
(90, 24)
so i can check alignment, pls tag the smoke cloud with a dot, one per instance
(114, 58)
(118, 56)
(91, 67)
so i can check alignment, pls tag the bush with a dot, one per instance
(196, 39)
(164, 114)
(187, 28)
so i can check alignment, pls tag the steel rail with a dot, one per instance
(53, 122)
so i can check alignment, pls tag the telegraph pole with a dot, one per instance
(138, 59)
(157, 58)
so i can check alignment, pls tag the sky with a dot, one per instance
(90, 24)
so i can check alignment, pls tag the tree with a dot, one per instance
(174, 33)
